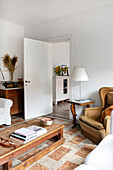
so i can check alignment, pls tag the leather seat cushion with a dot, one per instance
(92, 122)
(2, 110)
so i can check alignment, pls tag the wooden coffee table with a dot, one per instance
(8, 154)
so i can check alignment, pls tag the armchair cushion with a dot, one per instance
(92, 122)
(110, 98)
(106, 112)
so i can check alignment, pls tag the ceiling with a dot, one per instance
(27, 12)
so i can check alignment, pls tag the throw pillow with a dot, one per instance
(106, 112)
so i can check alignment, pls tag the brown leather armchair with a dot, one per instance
(91, 127)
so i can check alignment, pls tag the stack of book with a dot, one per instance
(25, 135)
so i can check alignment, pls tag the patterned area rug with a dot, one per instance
(66, 157)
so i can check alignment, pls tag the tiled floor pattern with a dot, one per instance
(66, 157)
(61, 110)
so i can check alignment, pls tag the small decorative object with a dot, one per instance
(62, 69)
(47, 121)
(10, 64)
(65, 71)
(6, 143)
(9, 84)
(58, 70)
(20, 82)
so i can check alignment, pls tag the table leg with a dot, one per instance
(60, 136)
(74, 114)
(7, 166)
(88, 105)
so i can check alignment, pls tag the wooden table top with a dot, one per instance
(5, 133)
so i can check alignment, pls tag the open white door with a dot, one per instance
(37, 78)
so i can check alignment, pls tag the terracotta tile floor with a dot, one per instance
(71, 131)
(59, 153)
(61, 110)
(66, 157)
(68, 166)
(38, 167)
(85, 150)
(78, 139)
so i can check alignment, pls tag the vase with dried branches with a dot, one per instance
(10, 63)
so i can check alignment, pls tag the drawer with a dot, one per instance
(10, 93)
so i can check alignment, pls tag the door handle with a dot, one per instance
(26, 81)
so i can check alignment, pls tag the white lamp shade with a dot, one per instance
(80, 75)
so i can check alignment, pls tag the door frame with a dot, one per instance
(63, 38)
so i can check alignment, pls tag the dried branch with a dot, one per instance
(10, 63)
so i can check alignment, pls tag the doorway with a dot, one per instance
(61, 55)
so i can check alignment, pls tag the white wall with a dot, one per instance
(11, 42)
(92, 34)
(61, 54)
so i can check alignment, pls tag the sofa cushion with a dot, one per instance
(110, 98)
(106, 112)
(92, 122)
(85, 167)
(102, 155)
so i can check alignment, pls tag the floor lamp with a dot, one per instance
(80, 75)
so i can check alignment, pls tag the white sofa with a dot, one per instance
(5, 105)
(101, 158)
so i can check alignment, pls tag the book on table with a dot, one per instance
(83, 100)
(21, 140)
(25, 135)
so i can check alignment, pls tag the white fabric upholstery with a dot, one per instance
(102, 156)
(111, 123)
(5, 105)
(84, 167)
(2, 110)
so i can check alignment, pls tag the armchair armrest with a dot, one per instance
(92, 112)
(6, 117)
(5, 102)
(107, 124)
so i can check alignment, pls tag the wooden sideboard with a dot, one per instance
(17, 96)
